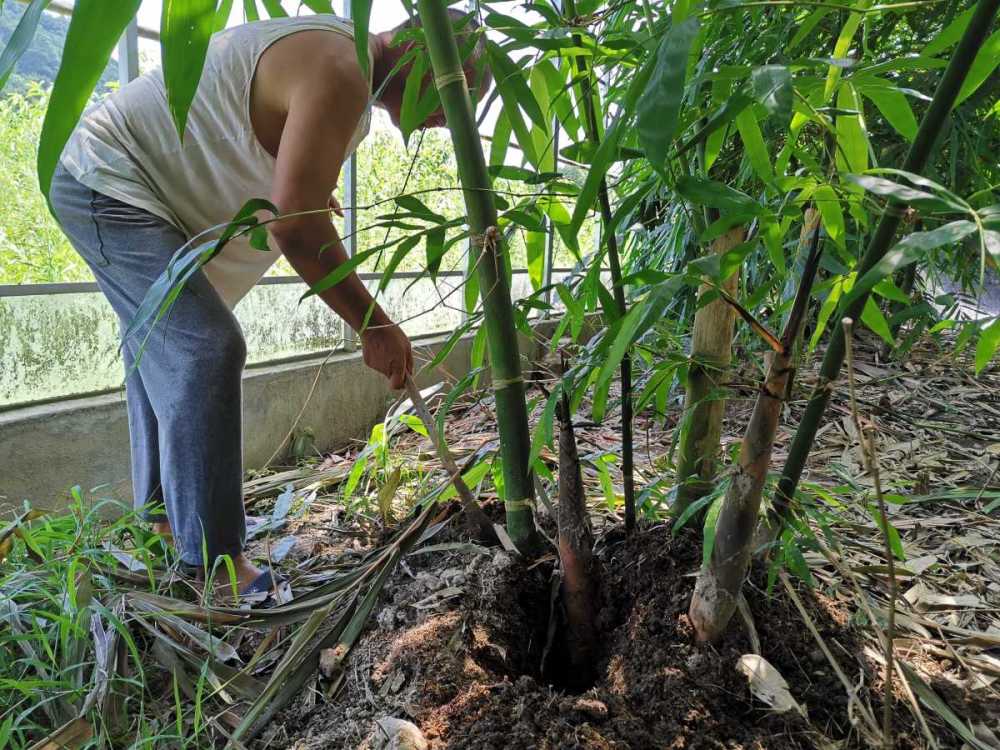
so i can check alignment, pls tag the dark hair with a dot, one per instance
(471, 43)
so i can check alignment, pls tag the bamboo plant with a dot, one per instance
(919, 152)
(501, 336)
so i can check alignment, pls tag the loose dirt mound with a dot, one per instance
(459, 645)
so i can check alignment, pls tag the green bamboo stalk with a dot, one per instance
(618, 289)
(501, 336)
(711, 353)
(916, 159)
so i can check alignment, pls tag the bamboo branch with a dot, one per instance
(871, 461)
(852, 692)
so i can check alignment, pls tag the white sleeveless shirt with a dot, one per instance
(127, 147)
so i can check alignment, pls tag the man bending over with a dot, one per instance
(280, 106)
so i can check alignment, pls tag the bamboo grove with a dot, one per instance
(759, 172)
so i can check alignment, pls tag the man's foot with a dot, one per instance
(246, 575)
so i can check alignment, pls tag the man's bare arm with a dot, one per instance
(320, 122)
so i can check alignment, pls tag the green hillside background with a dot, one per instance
(40, 61)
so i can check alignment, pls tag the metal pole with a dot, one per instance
(349, 185)
(350, 182)
(128, 53)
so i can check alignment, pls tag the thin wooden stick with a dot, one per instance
(472, 509)
(871, 459)
(852, 693)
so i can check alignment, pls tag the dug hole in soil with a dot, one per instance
(457, 649)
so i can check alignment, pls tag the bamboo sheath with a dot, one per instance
(579, 573)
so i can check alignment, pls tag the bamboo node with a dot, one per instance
(487, 240)
(500, 383)
(518, 504)
(448, 78)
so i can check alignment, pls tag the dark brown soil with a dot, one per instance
(459, 642)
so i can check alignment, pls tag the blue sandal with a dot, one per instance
(265, 583)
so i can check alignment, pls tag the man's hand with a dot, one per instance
(386, 349)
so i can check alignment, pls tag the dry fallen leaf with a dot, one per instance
(767, 684)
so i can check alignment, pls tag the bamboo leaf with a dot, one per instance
(185, 29)
(948, 35)
(416, 206)
(986, 347)
(542, 136)
(826, 310)
(872, 317)
(543, 429)
(831, 213)
(708, 531)
(933, 701)
(842, 46)
(713, 131)
(419, 100)
(435, 249)
(711, 193)
(360, 14)
(982, 67)
(501, 139)
(806, 27)
(692, 509)
(598, 169)
(902, 193)
(893, 105)
(20, 39)
(767, 684)
(274, 9)
(574, 309)
(659, 107)
(753, 143)
(909, 249)
(535, 250)
(94, 30)
(402, 250)
(472, 477)
(319, 6)
(626, 331)
(509, 78)
(772, 86)
(222, 14)
(509, 95)
(852, 140)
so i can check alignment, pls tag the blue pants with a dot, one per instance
(184, 398)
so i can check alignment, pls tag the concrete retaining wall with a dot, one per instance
(45, 450)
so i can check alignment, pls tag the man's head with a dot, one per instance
(413, 83)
